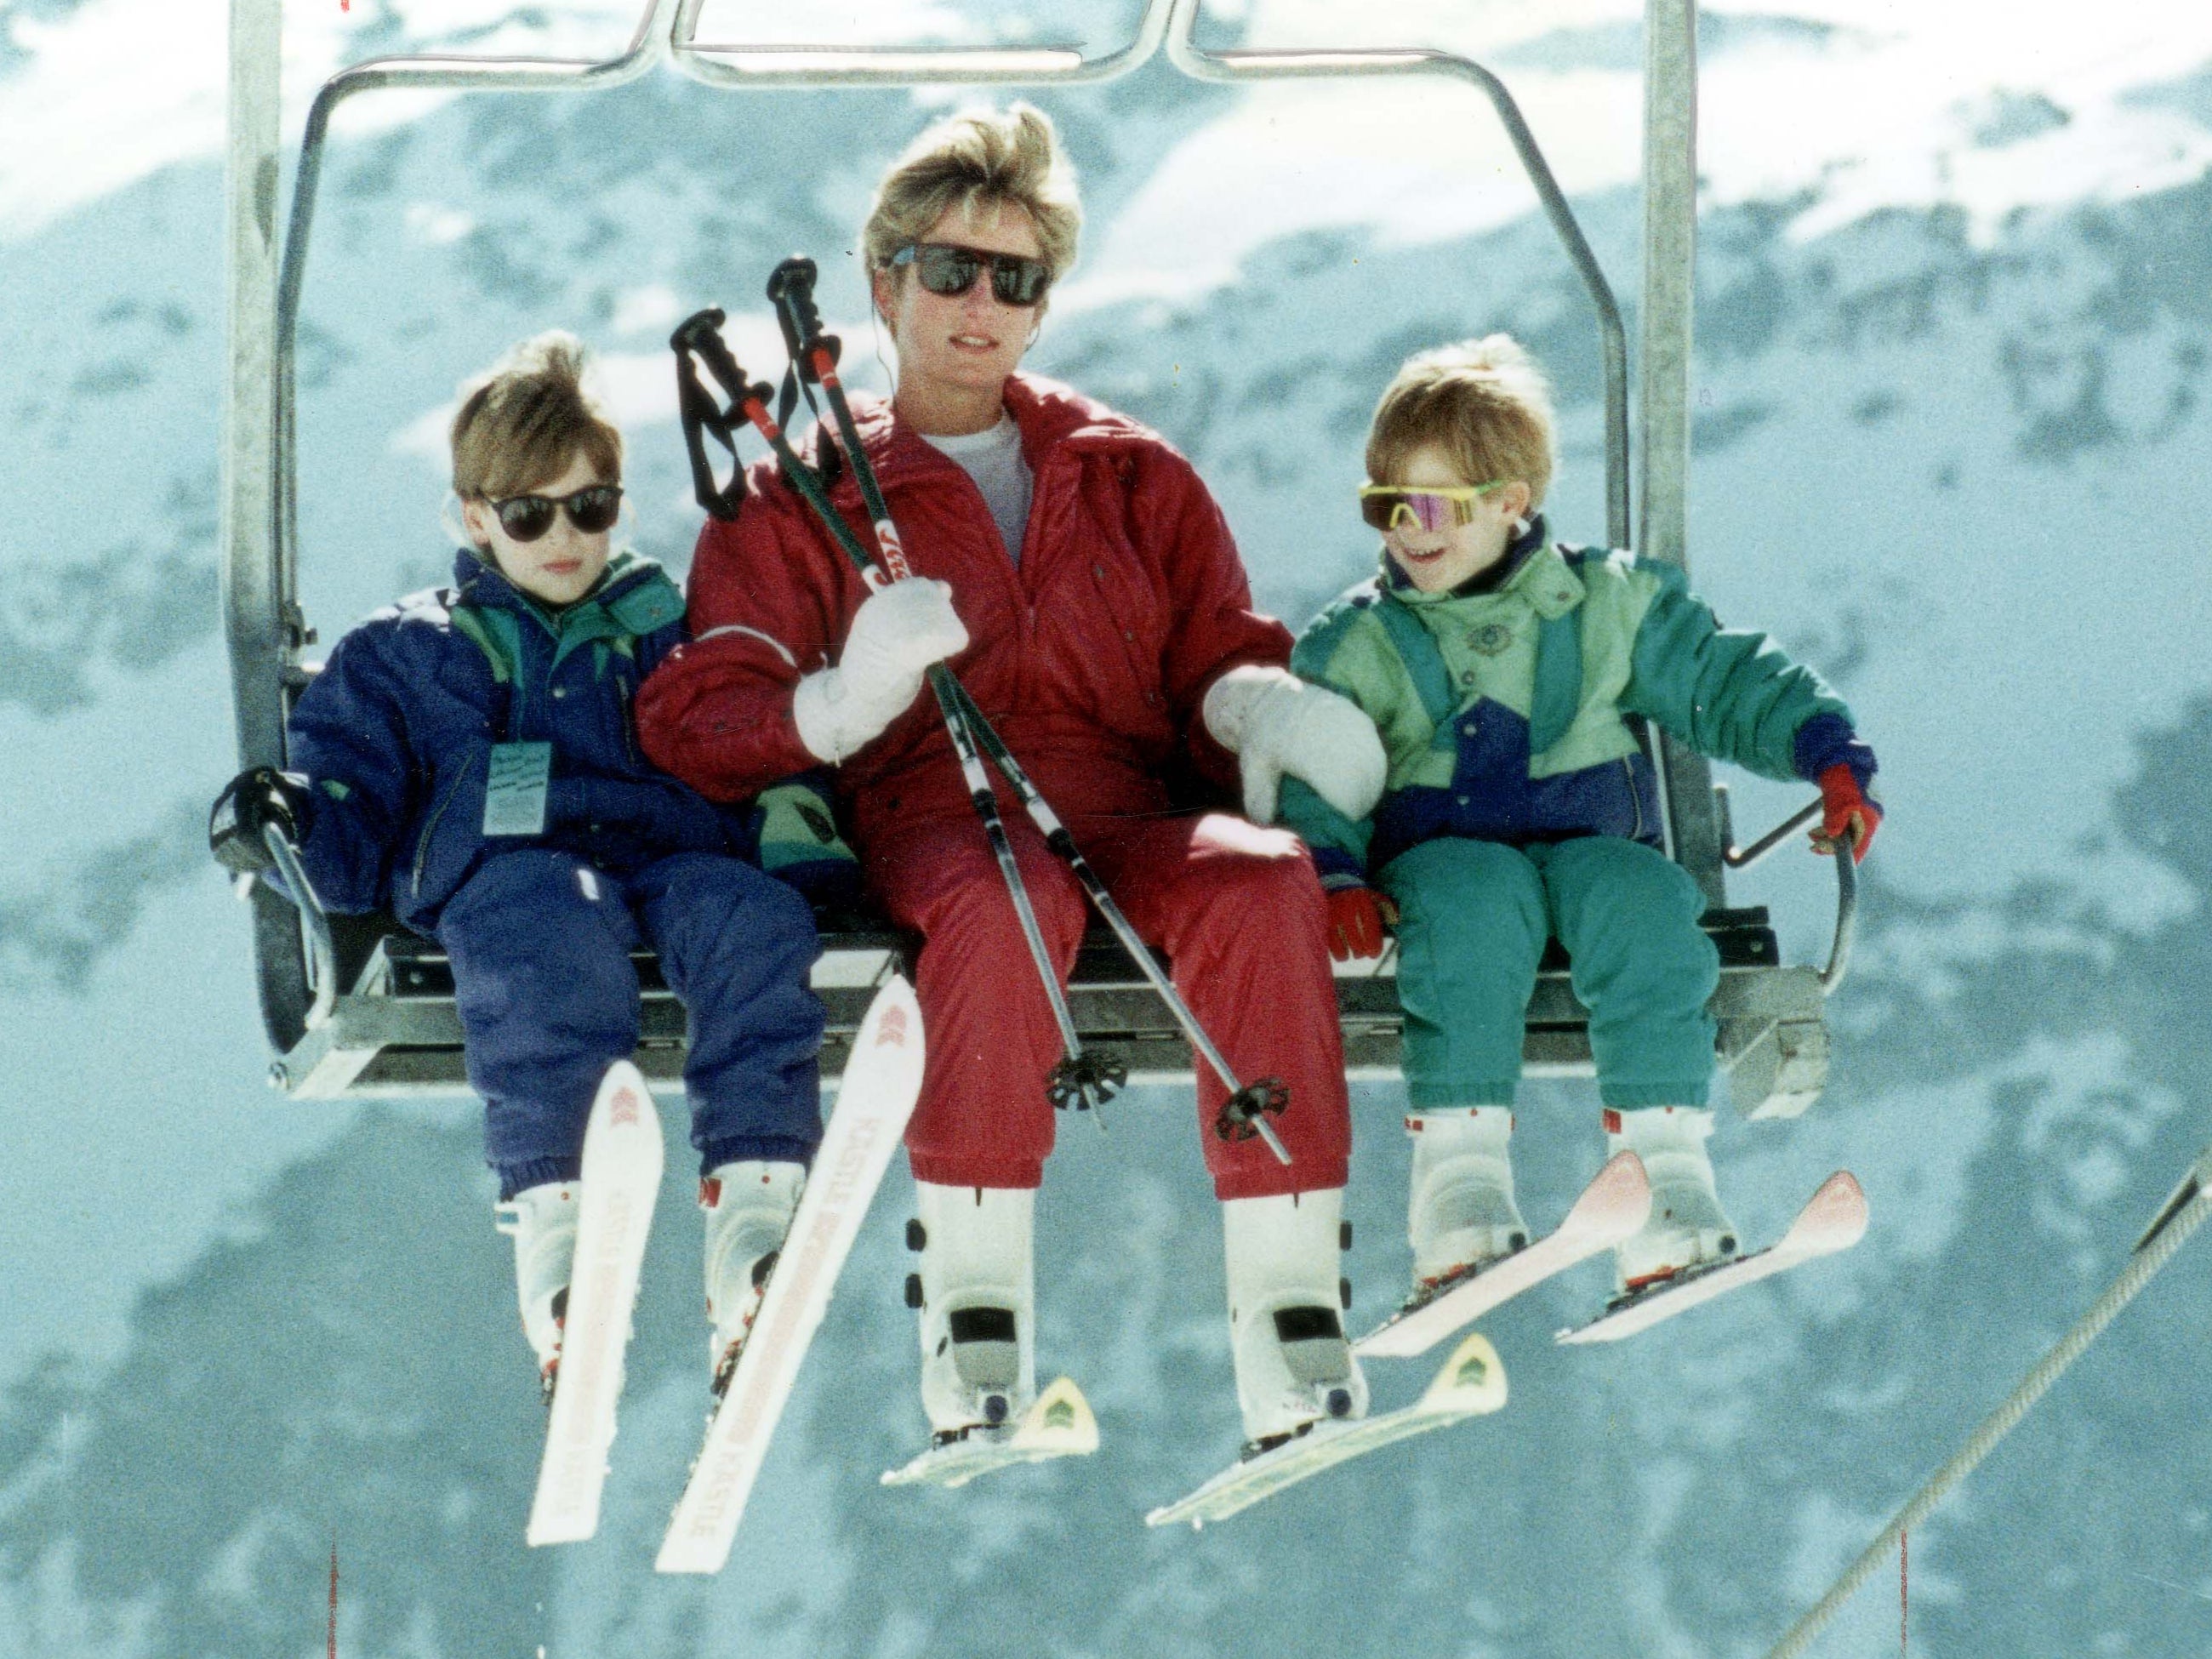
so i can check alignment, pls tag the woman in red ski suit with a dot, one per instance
(1095, 627)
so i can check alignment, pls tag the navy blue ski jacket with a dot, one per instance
(396, 736)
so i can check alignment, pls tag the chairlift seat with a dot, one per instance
(395, 1033)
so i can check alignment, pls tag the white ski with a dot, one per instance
(620, 1180)
(1611, 1208)
(1471, 1384)
(1834, 1218)
(1059, 1424)
(882, 1080)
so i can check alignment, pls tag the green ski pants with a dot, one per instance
(1473, 919)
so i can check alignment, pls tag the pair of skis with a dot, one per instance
(620, 1181)
(1609, 1211)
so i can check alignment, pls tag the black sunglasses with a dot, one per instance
(948, 270)
(590, 509)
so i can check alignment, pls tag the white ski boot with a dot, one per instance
(1294, 1367)
(1461, 1216)
(542, 1221)
(978, 1302)
(1687, 1227)
(748, 1206)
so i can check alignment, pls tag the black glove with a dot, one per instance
(250, 802)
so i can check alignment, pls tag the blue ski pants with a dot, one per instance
(540, 942)
(1474, 917)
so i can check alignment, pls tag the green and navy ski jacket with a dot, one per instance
(396, 736)
(1505, 713)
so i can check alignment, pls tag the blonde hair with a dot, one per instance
(1484, 401)
(523, 420)
(978, 157)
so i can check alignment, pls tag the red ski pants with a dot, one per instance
(1238, 911)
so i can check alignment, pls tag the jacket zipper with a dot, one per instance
(422, 846)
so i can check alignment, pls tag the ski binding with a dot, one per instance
(1058, 1424)
(883, 1078)
(1471, 1384)
(1610, 1209)
(1833, 1219)
(616, 1192)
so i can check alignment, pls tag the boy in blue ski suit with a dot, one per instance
(1501, 671)
(468, 759)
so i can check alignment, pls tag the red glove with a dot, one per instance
(1845, 806)
(1356, 916)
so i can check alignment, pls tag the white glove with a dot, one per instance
(1273, 722)
(896, 634)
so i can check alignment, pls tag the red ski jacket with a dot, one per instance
(1091, 657)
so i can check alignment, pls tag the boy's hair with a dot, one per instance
(1484, 402)
(974, 159)
(523, 420)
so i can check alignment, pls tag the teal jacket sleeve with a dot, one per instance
(1339, 843)
(1727, 693)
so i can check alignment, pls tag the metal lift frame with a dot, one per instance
(384, 1023)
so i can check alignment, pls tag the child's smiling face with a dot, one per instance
(1438, 560)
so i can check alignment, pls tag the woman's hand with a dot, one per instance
(1273, 722)
(896, 634)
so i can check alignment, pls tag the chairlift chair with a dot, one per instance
(359, 1007)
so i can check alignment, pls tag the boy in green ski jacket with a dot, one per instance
(1501, 670)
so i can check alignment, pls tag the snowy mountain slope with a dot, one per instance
(1952, 453)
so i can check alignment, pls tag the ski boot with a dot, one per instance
(1687, 1228)
(1294, 1367)
(1461, 1216)
(748, 1206)
(542, 1221)
(978, 1300)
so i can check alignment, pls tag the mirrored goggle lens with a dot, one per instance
(1414, 509)
(950, 271)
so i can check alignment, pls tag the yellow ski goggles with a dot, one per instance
(1392, 507)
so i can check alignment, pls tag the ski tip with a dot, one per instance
(1836, 1214)
(894, 1015)
(1058, 1424)
(1471, 1381)
(1618, 1200)
(1062, 1416)
(625, 1101)
(891, 1030)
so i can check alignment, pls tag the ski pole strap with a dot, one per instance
(814, 356)
(2156, 1249)
(701, 417)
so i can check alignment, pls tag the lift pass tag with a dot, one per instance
(514, 802)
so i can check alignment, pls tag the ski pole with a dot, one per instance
(1083, 1079)
(791, 290)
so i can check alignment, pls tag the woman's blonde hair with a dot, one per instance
(975, 158)
(523, 420)
(1484, 402)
